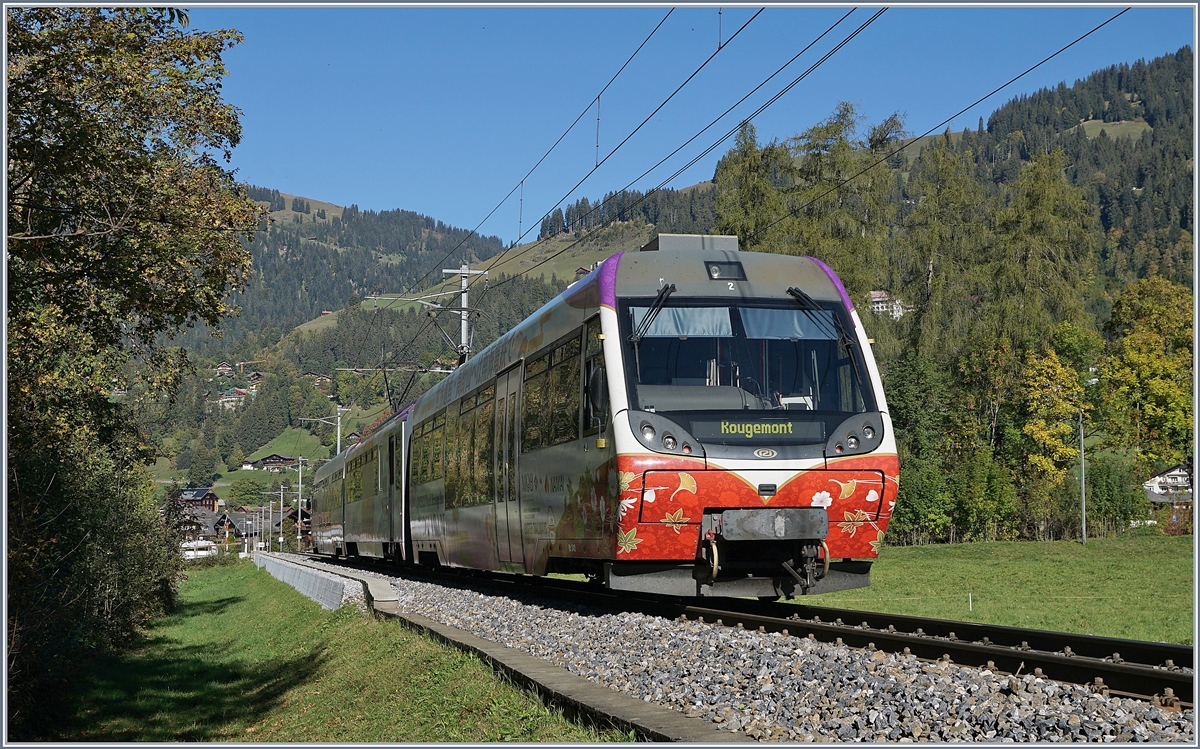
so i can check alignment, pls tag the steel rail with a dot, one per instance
(1149, 671)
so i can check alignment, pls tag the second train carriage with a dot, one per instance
(689, 419)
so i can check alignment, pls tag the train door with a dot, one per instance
(507, 447)
(392, 496)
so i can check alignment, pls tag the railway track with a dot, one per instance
(1156, 672)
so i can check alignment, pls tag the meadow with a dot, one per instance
(246, 658)
(1135, 586)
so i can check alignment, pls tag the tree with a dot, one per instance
(204, 465)
(1146, 380)
(244, 491)
(236, 457)
(748, 189)
(822, 193)
(123, 230)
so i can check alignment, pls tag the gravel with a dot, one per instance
(776, 687)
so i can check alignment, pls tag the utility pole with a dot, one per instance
(325, 420)
(464, 272)
(299, 503)
(1082, 496)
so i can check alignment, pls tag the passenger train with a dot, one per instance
(687, 420)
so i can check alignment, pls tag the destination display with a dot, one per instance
(745, 431)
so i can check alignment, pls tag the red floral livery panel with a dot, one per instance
(663, 502)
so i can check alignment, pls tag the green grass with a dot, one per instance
(246, 658)
(293, 441)
(1134, 586)
(558, 261)
(1131, 128)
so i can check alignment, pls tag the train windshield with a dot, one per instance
(706, 365)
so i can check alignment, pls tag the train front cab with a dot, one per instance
(754, 450)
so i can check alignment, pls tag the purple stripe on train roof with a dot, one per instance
(608, 280)
(837, 282)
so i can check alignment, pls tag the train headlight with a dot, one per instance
(869, 432)
(669, 442)
(852, 442)
(648, 431)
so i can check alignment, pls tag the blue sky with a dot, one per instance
(443, 110)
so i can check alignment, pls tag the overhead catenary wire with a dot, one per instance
(941, 124)
(599, 206)
(496, 262)
(720, 140)
(550, 150)
(618, 146)
(521, 184)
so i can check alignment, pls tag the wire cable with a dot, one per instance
(586, 109)
(721, 140)
(719, 117)
(634, 131)
(413, 286)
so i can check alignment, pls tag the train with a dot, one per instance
(688, 420)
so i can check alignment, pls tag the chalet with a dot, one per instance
(274, 463)
(224, 369)
(203, 497)
(326, 312)
(1172, 486)
(321, 379)
(247, 465)
(354, 438)
(232, 398)
(882, 303)
(254, 380)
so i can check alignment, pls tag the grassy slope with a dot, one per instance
(563, 265)
(246, 658)
(1136, 586)
(1130, 128)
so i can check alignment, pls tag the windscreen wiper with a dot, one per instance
(660, 301)
(809, 305)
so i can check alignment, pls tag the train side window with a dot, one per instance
(420, 470)
(437, 447)
(484, 439)
(353, 481)
(533, 405)
(593, 359)
(452, 456)
(564, 394)
(462, 453)
(380, 463)
(368, 476)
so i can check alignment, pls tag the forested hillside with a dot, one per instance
(1139, 186)
(307, 260)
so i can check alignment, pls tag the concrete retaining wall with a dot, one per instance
(326, 591)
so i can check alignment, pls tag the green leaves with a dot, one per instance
(123, 231)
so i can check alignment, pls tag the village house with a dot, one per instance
(224, 369)
(1171, 485)
(882, 303)
(274, 463)
(203, 497)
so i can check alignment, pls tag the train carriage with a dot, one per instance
(689, 420)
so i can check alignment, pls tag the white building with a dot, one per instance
(1171, 485)
(882, 303)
